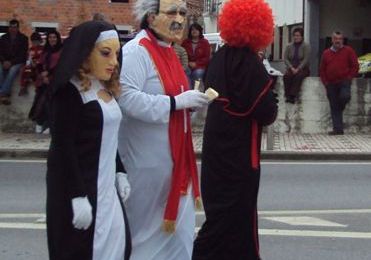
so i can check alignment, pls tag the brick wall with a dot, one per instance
(66, 13)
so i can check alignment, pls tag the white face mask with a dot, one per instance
(170, 22)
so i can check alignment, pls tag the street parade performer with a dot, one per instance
(85, 215)
(230, 170)
(155, 139)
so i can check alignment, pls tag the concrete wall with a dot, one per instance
(286, 11)
(14, 118)
(312, 113)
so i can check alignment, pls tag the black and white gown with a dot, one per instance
(83, 161)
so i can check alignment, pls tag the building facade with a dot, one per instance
(43, 15)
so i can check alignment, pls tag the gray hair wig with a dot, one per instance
(145, 7)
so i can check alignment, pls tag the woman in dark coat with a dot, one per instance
(85, 213)
(45, 69)
(230, 171)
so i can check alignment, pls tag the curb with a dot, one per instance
(265, 155)
(310, 156)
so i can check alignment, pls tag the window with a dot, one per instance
(119, 1)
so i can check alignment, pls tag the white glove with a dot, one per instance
(82, 213)
(191, 99)
(123, 186)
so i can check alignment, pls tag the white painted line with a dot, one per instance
(305, 221)
(310, 233)
(313, 233)
(21, 161)
(22, 226)
(314, 212)
(315, 163)
(21, 215)
(308, 212)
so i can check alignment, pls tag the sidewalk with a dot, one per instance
(286, 146)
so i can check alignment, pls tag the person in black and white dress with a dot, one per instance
(86, 183)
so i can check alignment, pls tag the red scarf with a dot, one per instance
(174, 81)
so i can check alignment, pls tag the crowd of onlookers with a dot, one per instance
(37, 62)
(338, 66)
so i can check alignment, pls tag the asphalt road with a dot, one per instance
(307, 211)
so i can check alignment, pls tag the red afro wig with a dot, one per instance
(246, 23)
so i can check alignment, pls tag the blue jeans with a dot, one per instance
(338, 96)
(196, 74)
(7, 78)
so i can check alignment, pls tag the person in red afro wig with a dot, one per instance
(230, 170)
(246, 23)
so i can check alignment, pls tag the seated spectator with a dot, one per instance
(29, 72)
(13, 54)
(183, 58)
(198, 50)
(296, 58)
(48, 61)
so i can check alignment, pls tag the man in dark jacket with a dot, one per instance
(13, 54)
(339, 65)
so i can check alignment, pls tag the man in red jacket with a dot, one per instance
(339, 65)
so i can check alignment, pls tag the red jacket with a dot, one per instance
(201, 55)
(338, 66)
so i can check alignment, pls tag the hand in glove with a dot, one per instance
(123, 186)
(82, 213)
(191, 99)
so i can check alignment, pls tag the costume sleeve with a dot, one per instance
(119, 165)
(21, 56)
(305, 60)
(65, 116)
(136, 66)
(353, 64)
(322, 70)
(286, 57)
(266, 110)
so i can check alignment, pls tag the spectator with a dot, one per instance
(183, 58)
(99, 17)
(29, 72)
(339, 65)
(48, 61)
(13, 53)
(296, 58)
(198, 50)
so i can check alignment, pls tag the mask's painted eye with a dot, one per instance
(172, 12)
(105, 53)
(183, 12)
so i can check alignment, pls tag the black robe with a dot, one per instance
(230, 170)
(73, 160)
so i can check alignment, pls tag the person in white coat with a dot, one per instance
(155, 139)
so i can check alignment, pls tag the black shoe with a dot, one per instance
(336, 133)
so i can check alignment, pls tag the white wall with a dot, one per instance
(287, 11)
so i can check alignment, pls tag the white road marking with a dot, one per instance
(305, 221)
(310, 233)
(315, 163)
(22, 225)
(21, 215)
(313, 233)
(308, 212)
(22, 161)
